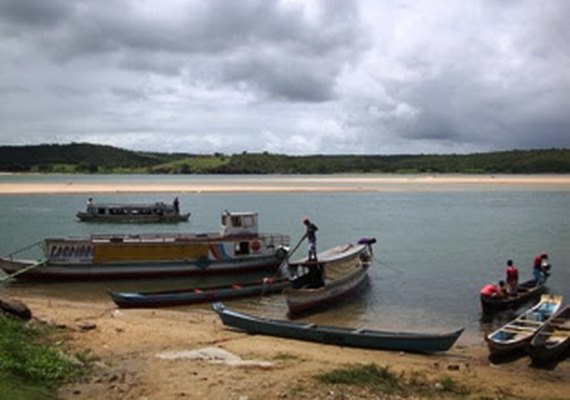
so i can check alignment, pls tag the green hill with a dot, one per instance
(91, 158)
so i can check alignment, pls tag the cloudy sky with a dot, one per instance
(288, 76)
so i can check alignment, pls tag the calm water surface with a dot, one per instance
(436, 245)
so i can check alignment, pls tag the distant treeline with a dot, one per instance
(90, 158)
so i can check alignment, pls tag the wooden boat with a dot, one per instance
(552, 339)
(132, 213)
(519, 332)
(336, 273)
(526, 291)
(198, 295)
(236, 248)
(363, 338)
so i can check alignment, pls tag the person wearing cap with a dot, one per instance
(311, 235)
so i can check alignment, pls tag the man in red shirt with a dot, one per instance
(512, 278)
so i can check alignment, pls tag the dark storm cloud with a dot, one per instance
(308, 76)
(33, 13)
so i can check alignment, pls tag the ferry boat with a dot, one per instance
(237, 247)
(133, 213)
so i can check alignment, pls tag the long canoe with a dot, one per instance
(526, 291)
(363, 338)
(519, 332)
(187, 296)
(552, 340)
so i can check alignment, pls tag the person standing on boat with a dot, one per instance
(540, 268)
(176, 204)
(512, 278)
(311, 235)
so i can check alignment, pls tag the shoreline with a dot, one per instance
(145, 353)
(292, 184)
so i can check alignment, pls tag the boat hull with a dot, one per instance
(130, 219)
(50, 272)
(527, 291)
(361, 338)
(354, 262)
(552, 340)
(518, 333)
(197, 295)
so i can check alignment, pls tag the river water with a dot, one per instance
(436, 245)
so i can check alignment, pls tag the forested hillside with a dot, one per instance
(90, 158)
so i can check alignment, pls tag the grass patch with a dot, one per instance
(31, 364)
(379, 380)
(368, 375)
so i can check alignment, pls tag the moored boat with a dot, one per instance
(552, 340)
(237, 247)
(133, 213)
(185, 296)
(526, 291)
(363, 338)
(336, 273)
(519, 332)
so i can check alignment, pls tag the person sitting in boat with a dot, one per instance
(512, 278)
(494, 291)
(540, 268)
(311, 235)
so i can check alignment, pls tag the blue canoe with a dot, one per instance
(363, 338)
(185, 296)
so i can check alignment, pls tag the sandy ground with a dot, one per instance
(290, 184)
(163, 354)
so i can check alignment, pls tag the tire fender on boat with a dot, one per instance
(281, 253)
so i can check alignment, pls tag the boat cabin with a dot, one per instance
(158, 209)
(239, 223)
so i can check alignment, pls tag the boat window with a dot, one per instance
(236, 221)
(101, 211)
(241, 248)
(248, 221)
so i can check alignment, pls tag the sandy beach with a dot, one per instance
(341, 183)
(169, 354)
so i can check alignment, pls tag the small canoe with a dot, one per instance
(526, 291)
(362, 338)
(187, 296)
(552, 340)
(519, 332)
(336, 273)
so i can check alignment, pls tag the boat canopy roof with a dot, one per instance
(239, 223)
(159, 204)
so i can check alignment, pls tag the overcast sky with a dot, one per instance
(289, 76)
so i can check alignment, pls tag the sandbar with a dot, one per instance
(285, 184)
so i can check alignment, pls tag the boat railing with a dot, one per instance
(276, 239)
